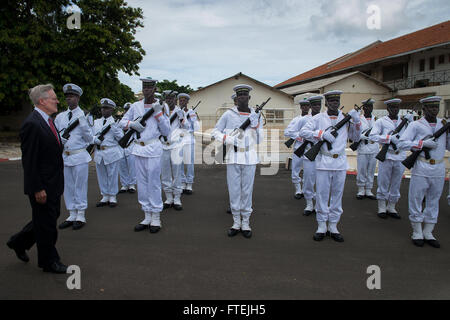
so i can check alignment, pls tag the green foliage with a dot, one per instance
(37, 47)
(173, 85)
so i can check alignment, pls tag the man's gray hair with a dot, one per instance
(40, 92)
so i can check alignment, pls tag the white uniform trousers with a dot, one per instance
(420, 188)
(148, 177)
(309, 179)
(188, 161)
(171, 163)
(366, 170)
(240, 179)
(390, 175)
(76, 187)
(330, 188)
(108, 178)
(297, 164)
(127, 171)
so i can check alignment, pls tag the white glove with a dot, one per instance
(180, 114)
(364, 137)
(328, 137)
(254, 119)
(135, 125)
(231, 140)
(97, 141)
(63, 141)
(158, 108)
(409, 117)
(430, 144)
(394, 140)
(355, 116)
(192, 115)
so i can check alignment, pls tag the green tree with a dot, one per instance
(173, 85)
(37, 47)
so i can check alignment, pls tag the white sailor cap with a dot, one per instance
(242, 88)
(169, 92)
(105, 102)
(234, 96)
(333, 94)
(304, 102)
(428, 101)
(393, 101)
(370, 101)
(183, 95)
(315, 98)
(149, 80)
(72, 88)
(127, 105)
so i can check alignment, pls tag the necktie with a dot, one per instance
(52, 127)
(104, 122)
(70, 115)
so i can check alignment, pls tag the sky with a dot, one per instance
(199, 42)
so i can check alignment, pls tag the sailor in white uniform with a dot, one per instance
(127, 171)
(76, 158)
(427, 174)
(148, 151)
(241, 157)
(108, 153)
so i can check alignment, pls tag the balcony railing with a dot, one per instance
(426, 79)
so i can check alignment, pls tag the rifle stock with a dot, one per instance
(127, 136)
(289, 143)
(381, 156)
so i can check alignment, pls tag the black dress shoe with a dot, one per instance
(247, 234)
(336, 236)
(299, 196)
(394, 215)
(21, 254)
(229, 211)
(382, 215)
(123, 191)
(308, 212)
(177, 207)
(102, 204)
(418, 242)
(233, 232)
(319, 236)
(154, 229)
(56, 267)
(65, 225)
(359, 197)
(167, 206)
(131, 190)
(77, 225)
(371, 197)
(188, 192)
(140, 227)
(433, 243)
(113, 204)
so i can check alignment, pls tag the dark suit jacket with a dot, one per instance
(42, 160)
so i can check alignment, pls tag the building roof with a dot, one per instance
(237, 76)
(426, 38)
(321, 83)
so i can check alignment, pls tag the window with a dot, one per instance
(275, 116)
(395, 72)
(422, 65)
(441, 59)
(432, 63)
(447, 108)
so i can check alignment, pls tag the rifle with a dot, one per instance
(355, 145)
(301, 150)
(124, 142)
(74, 124)
(289, 143)
(315, 149)
(101, 137)
(412, 158)
(172, 120)
(381, 156)
(246, 123)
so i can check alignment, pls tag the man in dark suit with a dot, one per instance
(44, 181)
